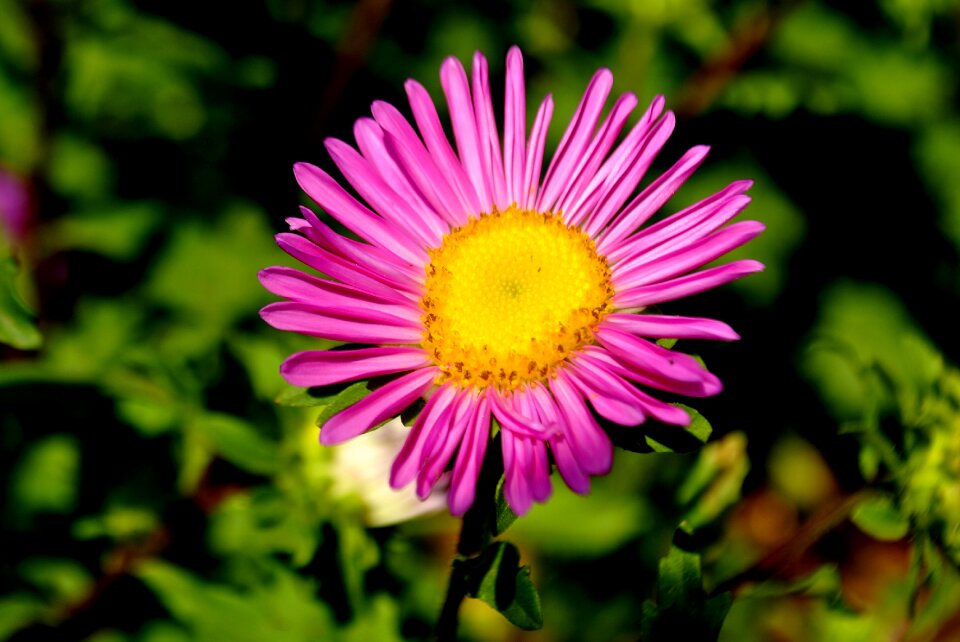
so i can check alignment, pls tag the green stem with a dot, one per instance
(476, 533)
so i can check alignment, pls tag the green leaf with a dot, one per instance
(879, 517)
(18, 610)
(239, 442)
(661, 438)
(17, 327)
(497, 578)
(60, 580)
(118, 522)
(343, 399)
(117, 231)
(682, 610)
(46, 478)
(575, 527)
(505, 515)
(276, 604)
(823, 582)
(714, 482)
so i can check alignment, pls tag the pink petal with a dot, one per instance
(598, 360)
(535, 148)
(370, 185)
(514, 421)
(651, 268)
(687, 225)
(428, 121)
(514, 127)
(380, 405)
(516, 487)
(418, 165)
(685, 285)
(464, 121)
(442, 443)
(354, 216)
(606, 393)
(658, 367)
(539, 471)
(355, 324)
(611, 172)
(304, 288)
(588, 164)
(325, 367)
(672, 327)
(649, 201)
(393, 271)
(629, 175)
(337, 267)
(575, 139)
(463, 485)
(371, 139)
(588, 441)
(488, 136)
(561, 446)
(411, 457)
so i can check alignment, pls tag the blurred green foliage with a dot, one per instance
(162, 484)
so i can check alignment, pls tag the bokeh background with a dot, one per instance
(153, 490)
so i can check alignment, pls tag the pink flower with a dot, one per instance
(498, 293)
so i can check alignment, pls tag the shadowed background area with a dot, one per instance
(153, 489)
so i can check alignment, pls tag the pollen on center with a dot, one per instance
(509, 296)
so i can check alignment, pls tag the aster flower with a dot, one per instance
(502, 297)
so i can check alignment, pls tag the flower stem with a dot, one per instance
(476, 532)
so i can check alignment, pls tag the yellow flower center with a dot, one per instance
(509, 296)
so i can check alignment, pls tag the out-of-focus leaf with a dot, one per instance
(879, 517)
(17, 327)
(379, 621)
(572, 526)
(497, 578)
(118, 523)
(263, 522)
(889, 361)
(239, 442)
(358, 554)
(280, 607)
(139, 74)
(682, 610)
(823, 582)
(937, 151)
(96, 340)
(60, 580)
(943, 603)
(208, 273)
(18, 610)
(16, 45)
(800, 473)
(834, 66)
(79, 169)
(117, 232)
(261, 358)
(714, 482)
(19, 119)
(46, 477)
(163, 631)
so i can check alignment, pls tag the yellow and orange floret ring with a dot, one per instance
(510, 295)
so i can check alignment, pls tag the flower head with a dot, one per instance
(500, 294)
